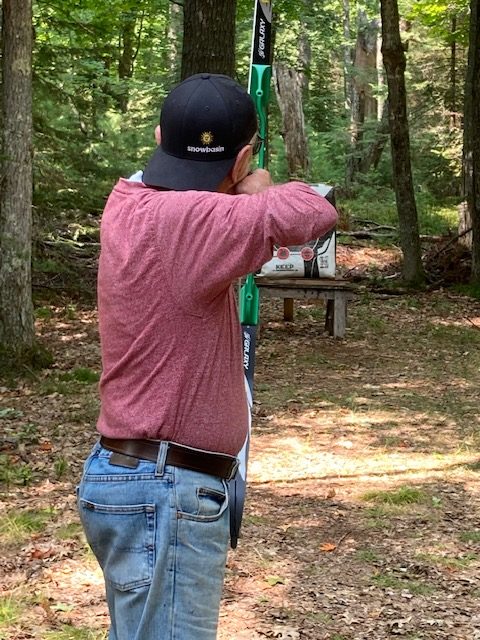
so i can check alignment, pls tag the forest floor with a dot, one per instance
(363, 511)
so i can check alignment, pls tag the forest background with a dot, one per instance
(95, 75)
(362, 513)
(101, 71)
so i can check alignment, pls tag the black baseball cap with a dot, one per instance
(205, 121)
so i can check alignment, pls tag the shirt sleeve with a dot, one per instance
(235, 235)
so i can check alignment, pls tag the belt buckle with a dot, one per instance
(233, 470)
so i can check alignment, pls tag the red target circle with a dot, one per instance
(283, 253)
(307, 253)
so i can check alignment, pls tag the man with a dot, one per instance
(153, 498)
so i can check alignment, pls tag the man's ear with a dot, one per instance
(242, 164)
(158, 134)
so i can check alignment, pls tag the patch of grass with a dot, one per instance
(318, 617)
(255, 520)
(48, 265)
(28, 433)
(436, 219)
(49, 387)
(388, 581)
(86, 376)
(470, 536)
(368, 556)
(70, 312)
(454, 336)
(18, 527)
(10, 611)
(24, 361)
(68, 632)
(67, 383)
(313, 358)
(471, 290)
(14, 473)
(9, 413)
(43, 313)
(401, 496)
(60, 467)
(459, 562)
(80, 374)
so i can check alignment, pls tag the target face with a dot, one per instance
(283, 253)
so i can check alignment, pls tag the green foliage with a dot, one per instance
(81, 374)
(403, 495)
(84, 139)
(25, 361)
(10, 611)
(470, 536)
(472, 290)
(437, 16)
(19, 526)
(68, 632)
(94, 119)
(14, 473)
(60, 467)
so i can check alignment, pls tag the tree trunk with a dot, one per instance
(452, 98)
(288, 87)
(128, 50)
(363, 103)
(347, 59)
(16, 309)
(208, 37)
(173, 37)
(395, 64)
(471, 138)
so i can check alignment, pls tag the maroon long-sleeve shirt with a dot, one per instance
(169, 329)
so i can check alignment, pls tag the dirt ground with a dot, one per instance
(362, 519)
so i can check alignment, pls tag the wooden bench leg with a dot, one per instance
(288, 309)
(329, 318)
(340, 316)
(336, 316)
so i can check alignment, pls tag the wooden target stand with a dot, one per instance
(337, 294)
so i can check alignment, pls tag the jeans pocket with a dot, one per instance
(122, 537)
(202, 502)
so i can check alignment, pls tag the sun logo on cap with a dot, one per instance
(206, 137)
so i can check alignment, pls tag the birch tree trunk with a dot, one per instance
(471, 140)
(452, 97)
(347, 60)
(395, 64)
(288, 87)
(173, 36)
(16, 309)
(208, 37)
(363, 105)
(290, 79)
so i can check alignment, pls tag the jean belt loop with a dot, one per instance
(162, 456)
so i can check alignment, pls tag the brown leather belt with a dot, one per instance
(178, 455)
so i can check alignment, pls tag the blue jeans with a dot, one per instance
(160, 534)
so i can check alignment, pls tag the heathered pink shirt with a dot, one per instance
(169, 329)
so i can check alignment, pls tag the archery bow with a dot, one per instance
(259, 89)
